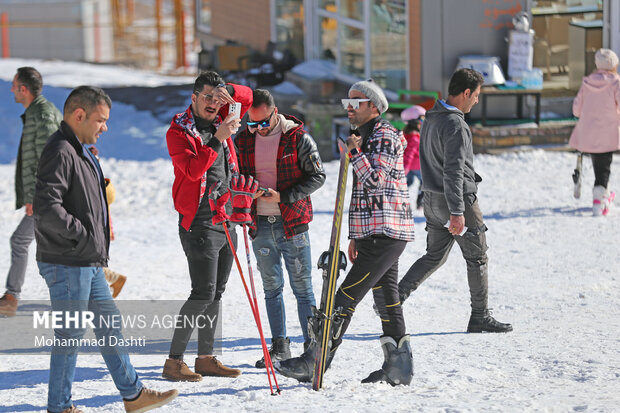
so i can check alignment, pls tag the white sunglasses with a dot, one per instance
(354, 103)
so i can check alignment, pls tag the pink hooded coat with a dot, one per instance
(597, 106)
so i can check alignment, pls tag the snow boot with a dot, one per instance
(397, 366)
(602, 200)
(177, 370)
(485, 322)
(280, 350)
(149, 399)
(210, 366)
(8, 305)
(302, 368)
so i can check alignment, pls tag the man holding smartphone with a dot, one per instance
(284, 158)
(203, 155)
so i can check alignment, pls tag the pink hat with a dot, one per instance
(413, 112)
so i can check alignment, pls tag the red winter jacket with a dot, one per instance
(191, 159)
(411, 158)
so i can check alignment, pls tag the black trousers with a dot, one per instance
(376, 267)
(601, 162)
(210, 259)
(439, 242)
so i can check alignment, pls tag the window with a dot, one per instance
(290, 26)
(388, 48)
(366, 38)
(204, 15)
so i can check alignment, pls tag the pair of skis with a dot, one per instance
(331, 262)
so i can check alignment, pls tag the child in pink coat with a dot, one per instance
(411, 158)
(597, 132)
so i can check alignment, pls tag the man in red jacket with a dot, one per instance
(203, 155)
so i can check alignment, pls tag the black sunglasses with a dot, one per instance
(262, 123)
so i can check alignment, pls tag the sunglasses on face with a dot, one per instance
(260, 124)
(207, 97)
(354, 103)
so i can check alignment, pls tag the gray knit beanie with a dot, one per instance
(373, 92)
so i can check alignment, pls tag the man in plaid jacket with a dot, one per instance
(284, 158)
(380, 225)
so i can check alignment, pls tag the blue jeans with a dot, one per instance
(269, 245)
(82, 289)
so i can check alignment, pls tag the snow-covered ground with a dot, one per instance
(554, 274)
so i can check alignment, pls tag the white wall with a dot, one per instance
(60, 29)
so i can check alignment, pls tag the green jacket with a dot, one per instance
(41, 119)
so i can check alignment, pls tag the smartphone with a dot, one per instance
(267, 193)
(235, 108)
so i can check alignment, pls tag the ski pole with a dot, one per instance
(254, 310)
(268, 362)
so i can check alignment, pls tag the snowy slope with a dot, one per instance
(553, 275)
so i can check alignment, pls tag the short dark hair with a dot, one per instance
(464, 79)
(262, 97)
(87, 98)
(31, 79)
(210, 78)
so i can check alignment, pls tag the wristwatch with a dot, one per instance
(354, 152)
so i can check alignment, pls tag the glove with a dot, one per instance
(242, 196)
(217, 202)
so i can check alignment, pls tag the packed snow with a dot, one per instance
(553, 275)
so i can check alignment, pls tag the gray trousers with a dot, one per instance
(20, 242)
(439, 242)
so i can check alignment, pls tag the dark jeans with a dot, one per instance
(601, 162)
(376, 267)
(439, 242)
(209, 258)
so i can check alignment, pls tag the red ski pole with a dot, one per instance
(254, 313)
(251, 275)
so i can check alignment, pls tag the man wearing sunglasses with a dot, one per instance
(203, 155)
(284, 158)
(380, 225)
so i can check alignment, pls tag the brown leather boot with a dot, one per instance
(210, 366)
(177, 370)
(117, 285)
(149, 399)
(8, 305)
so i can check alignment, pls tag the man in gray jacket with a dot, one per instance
(40, 118)
(450, 202)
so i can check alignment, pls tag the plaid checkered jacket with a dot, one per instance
(380, 198)
(300, 172)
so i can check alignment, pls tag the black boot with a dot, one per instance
(484, 322)
(398, 362)
(302, 368)
(280, 350)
